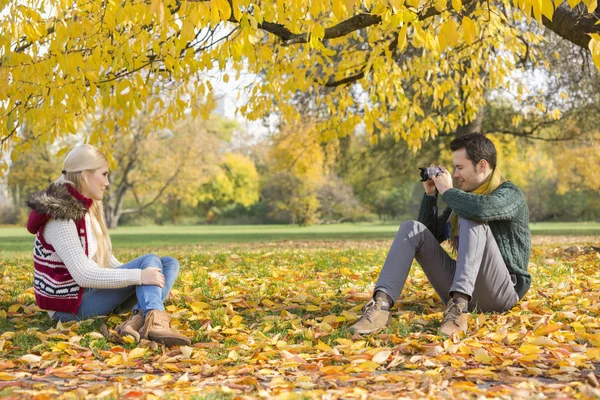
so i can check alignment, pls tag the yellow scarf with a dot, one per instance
(486, 188)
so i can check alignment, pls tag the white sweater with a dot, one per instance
(62, 235)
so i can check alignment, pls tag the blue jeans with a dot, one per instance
(98, 302)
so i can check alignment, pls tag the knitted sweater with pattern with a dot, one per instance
(65, 249)
(505, 211)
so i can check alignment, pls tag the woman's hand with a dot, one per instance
(153, 276)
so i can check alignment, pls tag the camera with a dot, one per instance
(429, 172)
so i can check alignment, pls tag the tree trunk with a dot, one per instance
(112, 214)
(471, 127)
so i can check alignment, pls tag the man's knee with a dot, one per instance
(411, 226)
(464, 223)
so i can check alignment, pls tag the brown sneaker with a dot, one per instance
(132, 326)
(455, 318)
(373, 318)
(157, 327)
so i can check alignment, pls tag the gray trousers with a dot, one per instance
(479, 270)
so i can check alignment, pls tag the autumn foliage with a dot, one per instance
(273, 322)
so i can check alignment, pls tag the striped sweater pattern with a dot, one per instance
(54, 287)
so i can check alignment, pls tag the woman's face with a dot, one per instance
(95, 182)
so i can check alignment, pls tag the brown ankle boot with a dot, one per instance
(132, 326)
(157, 327)
(455, 318)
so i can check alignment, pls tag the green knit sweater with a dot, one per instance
(505, 211)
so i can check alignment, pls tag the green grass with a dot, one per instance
(19, 240)
(23, 343)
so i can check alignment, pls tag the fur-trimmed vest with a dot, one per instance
(55, 289)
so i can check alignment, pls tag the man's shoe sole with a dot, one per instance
(170, 341)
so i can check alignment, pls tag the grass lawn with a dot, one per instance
(18, 239)
(269, 314)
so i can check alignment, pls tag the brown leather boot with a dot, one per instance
(455, 318)
(375, 316)
(132, 326)
(157, 327)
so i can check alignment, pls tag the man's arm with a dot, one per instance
(503, 204)
(437, 226)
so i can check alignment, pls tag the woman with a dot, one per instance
(75, 274)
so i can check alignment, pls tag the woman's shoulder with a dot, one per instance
(55, 228)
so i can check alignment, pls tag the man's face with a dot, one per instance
(468, 176)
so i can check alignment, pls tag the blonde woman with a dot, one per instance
(75, 274)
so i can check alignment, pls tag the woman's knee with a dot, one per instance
(151, 261)
(170, 263)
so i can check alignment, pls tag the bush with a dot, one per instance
(11, 215)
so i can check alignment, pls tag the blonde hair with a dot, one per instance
(80, 161)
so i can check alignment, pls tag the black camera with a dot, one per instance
(429, 172)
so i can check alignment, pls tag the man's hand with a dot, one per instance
(429, 185)
(443, 181)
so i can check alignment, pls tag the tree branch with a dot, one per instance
(352, 24)
(573, 25)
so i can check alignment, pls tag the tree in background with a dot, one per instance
(296, 170)
(150, 169)
(161, 165)
(234, 182)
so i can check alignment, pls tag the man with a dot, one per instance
(487, 224)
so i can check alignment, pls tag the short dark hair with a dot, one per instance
(478, 148)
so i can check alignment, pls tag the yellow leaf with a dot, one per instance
(138, 352)
(338, 9)
(594, 340)
(186, 351)
(481, 355)
(577, 326)
(544, 341)
(594, 46)
(318, 31)
(128, 339)
(183, 378)
(448, 34)
(529, 349)
(548, 9)
(115, 360)
(268, 303)
(469, 30)
(381, 356)
(7, 377)
(30, 358)
(544, 330)
(396, 4)
(367, 366)
(402, 37)
(258, 15)
(537, 10)
(14, 307)
(475, 372)
(199, 306)
(323, 346)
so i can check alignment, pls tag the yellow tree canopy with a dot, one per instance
(416, 68)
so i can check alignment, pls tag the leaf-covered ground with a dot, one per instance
(271, 321)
